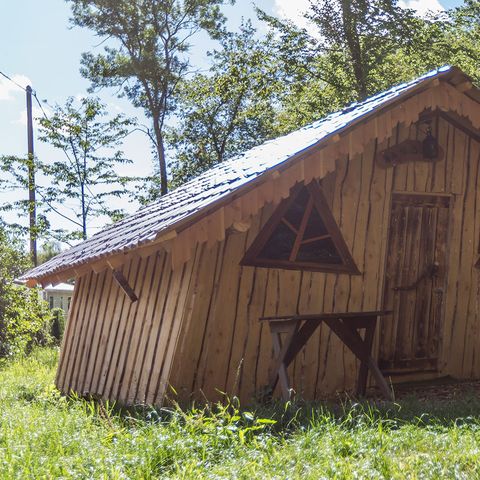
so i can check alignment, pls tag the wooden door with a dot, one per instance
(414, 283)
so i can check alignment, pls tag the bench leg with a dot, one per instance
(352, 339)
(364, 365)
(281, 373)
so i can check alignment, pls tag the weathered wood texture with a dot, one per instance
(197, 326)
(223, 348)
(183, 220)
(118, 349)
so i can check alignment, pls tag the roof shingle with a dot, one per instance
(194, 196)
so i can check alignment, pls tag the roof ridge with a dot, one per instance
(144, 225)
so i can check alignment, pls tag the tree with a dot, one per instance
(48, 250)
(227, 110)
(85, 179)
(24, 318)
(14, 178)
(362, 34)
(363, 47)
(150, 52)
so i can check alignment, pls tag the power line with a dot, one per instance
(13, 81)
(34, 94)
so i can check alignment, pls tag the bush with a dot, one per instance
(25, 320)
(58, 324)
(24, 317)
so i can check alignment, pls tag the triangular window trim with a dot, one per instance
(343, 261)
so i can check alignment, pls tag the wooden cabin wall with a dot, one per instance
(197, 327)
(119, 350)
(224, 348)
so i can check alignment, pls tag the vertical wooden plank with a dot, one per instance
(222, 318)
(138, 388)
(137, 284)
(112, 377)
(69, 334)
(157, 379)
(84, 324)
(240, 332)
(144, 296)
(108, 330)
(97, 332)
(154, 356)
(173, 338)
(199, 369)
(116, 331)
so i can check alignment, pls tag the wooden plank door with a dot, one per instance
(414, 283)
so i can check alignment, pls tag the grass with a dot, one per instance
(45, 435)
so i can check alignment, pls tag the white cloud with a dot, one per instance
(422, 6)
(293, 10)
(36, 113)
(8, 88)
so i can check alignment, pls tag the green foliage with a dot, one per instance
(46, 435)
(57, 327)
(88, 180)
(228, 110)
(259, 88)
(14, 178)
(146, 54)
(360, 48)
(24, 317)
(360, 35)
(48, 250)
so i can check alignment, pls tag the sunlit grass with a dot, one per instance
(45, 435)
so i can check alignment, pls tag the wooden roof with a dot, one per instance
(186, 204)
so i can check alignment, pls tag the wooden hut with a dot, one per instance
(374, 208)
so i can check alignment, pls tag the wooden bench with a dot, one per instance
(299, 328)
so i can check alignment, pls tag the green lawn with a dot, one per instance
(44, 435)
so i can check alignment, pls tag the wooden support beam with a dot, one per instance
(241, 227)
(117, 261)
(164, 237)
(99, 266)
(464, 86)
(124, 285)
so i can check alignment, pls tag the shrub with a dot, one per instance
(24, 316)
(58, 324)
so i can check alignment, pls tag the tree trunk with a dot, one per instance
(84, 213)
(355, 50)
(161, 156)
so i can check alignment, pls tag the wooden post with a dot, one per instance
(32, 206)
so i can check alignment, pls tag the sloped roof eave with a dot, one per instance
(208, 205)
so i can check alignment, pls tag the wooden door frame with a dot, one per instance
(452, 198)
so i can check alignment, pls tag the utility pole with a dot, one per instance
(32, 205)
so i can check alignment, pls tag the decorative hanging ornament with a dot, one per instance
(430, 148)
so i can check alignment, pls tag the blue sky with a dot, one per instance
(40, 48)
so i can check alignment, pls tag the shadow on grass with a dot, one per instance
(284, 419)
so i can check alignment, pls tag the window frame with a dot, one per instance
(252, 256)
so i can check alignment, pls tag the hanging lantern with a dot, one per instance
(430, 146)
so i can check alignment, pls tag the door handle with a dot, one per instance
(429, 272)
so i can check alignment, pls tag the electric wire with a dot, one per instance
(34, 94)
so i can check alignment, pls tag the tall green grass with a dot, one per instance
(45, 435)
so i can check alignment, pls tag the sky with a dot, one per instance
(41, 49)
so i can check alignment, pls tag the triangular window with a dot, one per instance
(302, 235)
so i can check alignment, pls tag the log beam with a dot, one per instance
(124, 285)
